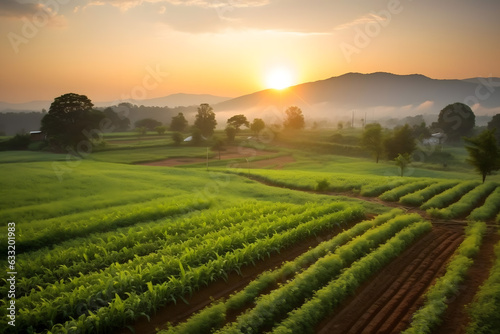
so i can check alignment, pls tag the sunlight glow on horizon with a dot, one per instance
(279, 78)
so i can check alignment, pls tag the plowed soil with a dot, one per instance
(386, 303)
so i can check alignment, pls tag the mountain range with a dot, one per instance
(374, 95)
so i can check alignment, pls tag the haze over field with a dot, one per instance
(115, 50)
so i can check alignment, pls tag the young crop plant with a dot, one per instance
(48, 232)
(375, 189)
(420, 197)
(103, 300)
(489, 209)
(280, 301)
(217, 312)
(429, 316)
(395, 194)
(308, 315)
(467, 203)
(449, 196)
(485, 309)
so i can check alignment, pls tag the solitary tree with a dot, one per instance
(401, 142)
(372, 140)
(178, 123)
(294, 118)
(205, 120)
(177, 138)
(218, 145)
(495, 124)
(237, 121)
(230, 133)
(161, 129)
(70, 119)
(402, 161)
(257, 125)
(484, 154)
(456, 120)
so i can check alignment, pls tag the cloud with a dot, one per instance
(38, 12)
(425, 105)
(125, 5)
(362, 20)
(14, 9)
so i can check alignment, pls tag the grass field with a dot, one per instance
(103, 243)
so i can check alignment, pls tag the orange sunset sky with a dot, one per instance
(116, 49)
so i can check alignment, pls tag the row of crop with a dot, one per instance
(50, 266)
(305, 318)
(214, 316)
(47, 232)
(47, 210)
(489, 209)
(465, 204)
(429, 316)
(191, 252)
(71, 299)
(485, 309)
(450, 195)
(365, 185)
(274, 306)
(396, 193)
(420, 197)
(119, 310)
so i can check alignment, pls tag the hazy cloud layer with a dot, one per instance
(39, 12)
(14, 9)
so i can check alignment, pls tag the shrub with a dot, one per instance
(322, 185)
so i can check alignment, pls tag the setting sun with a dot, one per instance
(279, 78)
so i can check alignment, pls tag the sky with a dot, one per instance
(112, 50)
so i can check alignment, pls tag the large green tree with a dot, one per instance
(372, 140)
(401, 142)
(70, 120)
(456, 120)
(205, 120)
(484, 154)
(495, 124)
(294, 118)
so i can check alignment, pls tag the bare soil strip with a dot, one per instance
(230, 153)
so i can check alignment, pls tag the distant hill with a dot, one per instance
(376, 95)
(24, 107)
(172, 101)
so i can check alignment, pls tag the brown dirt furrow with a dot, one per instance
(392, 289)
(386, 300)
(409, 286)
(416, 286)
(456, 318)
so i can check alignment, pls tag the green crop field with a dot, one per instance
(103, 243)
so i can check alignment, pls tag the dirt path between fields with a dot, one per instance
(251, 158)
